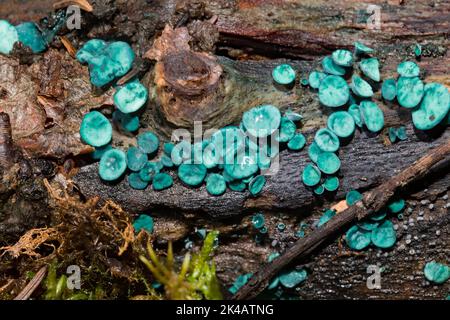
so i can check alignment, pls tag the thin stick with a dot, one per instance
(26, 293)
(372, 202)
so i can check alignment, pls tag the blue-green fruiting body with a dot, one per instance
(95, 129)
(328, 162)
(384, 235)
(392, 134)
(243, 168)
(436, 272)
(315, 78)
(127, 122)
(370, 68)
(372, 115)
(291, 279)
(361, 87)
(368, 225)
(106, 61)
(262, 121)
(112, 165)
(258, 221)
(353, 197)
(331, 184)
(361, 48)
(226, 142)
(149, 170)
(334, 91)
(297, 142)
(8, 37)
(327, 216)
(181, 152)
(215, 184)
(401, 133)
(293, 116)
(331, 68)
(192, 174)
(357, 238)
(311, 175)
(314, 151)
(396, 206)
(283, 74)
(143, 222)
(355, 112)
(327, 140)
(237, 185)
(135, 181)
(162, 181)
(341, 123)
(409, 91)
(98, 153)
(379, 216)
(434, 107)
(319, 190)
(408, 69)
(131, 97)
(342, 57)
(287, 130)
(136, 159)
(256, 185)
(417, 50)
(389, 89)
(148, 142)
(31, 37)
(239, 282)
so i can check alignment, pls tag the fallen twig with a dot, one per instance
(372, 202)
(83, 4)
(26, 293)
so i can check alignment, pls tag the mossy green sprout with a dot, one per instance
(355, 112)
(361, 87)
(408, 69)
(361, 48)
(113, 165)
(148, 142)
(434, 107)
(341, 123)
(30, 36)
(352, 197)
(342, 57)
(315, 78)
(283, 74)
(262, 121)
(95, 129)
(131, 97)
(396, 205)
(192, 174)
(331, 183)
(384, 235)
(287, 130)
(334, 91)
(370, 68)
(297, 142)
(327, 140)
(162, 181)
(327, 216)
(215, 184)
(143, 222)
(291, 279)
(328, 162)
(136, 159)
(372, 115)
(135, 181)
(436, 272)
(256, 185)
(389, 89)
(357, 238)
(331, 68)
(311, 175)
(409, 91)
(8, 37)
(149, 170)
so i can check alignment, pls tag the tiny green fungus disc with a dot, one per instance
(262, 121)
(353, 197)
(100, 151)
(168, 147)
(283, 74)
(334, 91)
(355, 112)
(409, 91)
(136, 159)
(396, 206)
(341, 123)
(8, 37)
(162, 181)
(361, 87)
(332, 68)
(95, 129)
(237, 185)
(319, 190)
(166, 161)
(31, 37)
(127, 122)
(131, 97)
(389, 89)
(327, 140)
(226, 142)
(148, 142)
(135, 181)
(401, 133)
(328, 162)
(384, 235)
(143, 222)
(370, 68)
(242, 168)
(215, 184)
(434, 107)
(436, 272)
(314, 151)
(392, 134)
(372, 115)
(281, 226)
(342, 57)
(304, 82)
(408, 69)
(291, 279)
(256, 185)
(293, 116)
(357, 238)
(315, 78)
(417, 50)
(181, 152)
(287, 130)
(239, 282)
(331, 184)
(258, 221)
(149, 170)
(379, 216)
(368, 225)
(192, 174)
(311, 175)
(297, 142)
(326, 217)
(112, 165)
(361, 48)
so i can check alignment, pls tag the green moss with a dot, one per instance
(95, 129)
(409, 91)
(334, 91)
(215, 184)
(311, 175)
(341, 123)
(113, 165)
(283, 74)
(372, 115)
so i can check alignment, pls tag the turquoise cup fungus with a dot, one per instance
(136, 159)
(162, 181)
(127, 122)
(355, 112)
(95, 129)
(436, 272)
(237, 185)
(334, 91)
(384, 235)
(327, 140)
(192, 174)
(361, 48)
(434, 107)
(328, 162)
(256, 185)
(243, 168)
(372, 115)
(149, 170)
(408, 69)
(331, 68)
(357, 238)
(311, 175)
(389, 89)
(99, 151)
(396, 206)
(315, 78)
(8, 37)
(370, 68)
(258, 221)
(319, 190)
(135, 181)
(287, 130)
(417, 50)
(293, 116)
(361, 87)
(131, 97)
(113, 165)
(215, 184)
(409, 91)
(143, 222)
(352, 197)
(297, 142)
(30, 36)
(327, 216)
(262, 121)
(341, 123)
(148, 142)
(342, 58)
(291, 279)
(314, 151)
(283, 74)
(331, 183)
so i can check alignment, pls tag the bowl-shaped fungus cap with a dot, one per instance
(341, 123)
(408, 69)
(131, 97)
(215, 184)
(31, 37)
(315, 78)
(162, 181)
(143, 222)
(332, 68)
(342, 57)
(436, 272)
(135, 181)
(355, 112)
(311, 175)
(389, 89)
(328, 162)
(433, 108)
(127, 122)
(243, 167)
(95, 129)
(314, 151)
(291, 279)
(396, 206)
(227, 142)
(297, 142)
(353, 197)
(148, 142)
(409, 91)
(256, 185)
(262, 121)
(258, 221)
(327, 140)
(112, 165)
(384, 235)
(361, 48)
(334, 91)
(327, 216)
(149, 170)
(283, 74)
(372, 116)
(370, 68)
(287, 130)
(136, 159)
(8, 37)
(331, 184)
(192, 174)
(361, 87)
(357, 238)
